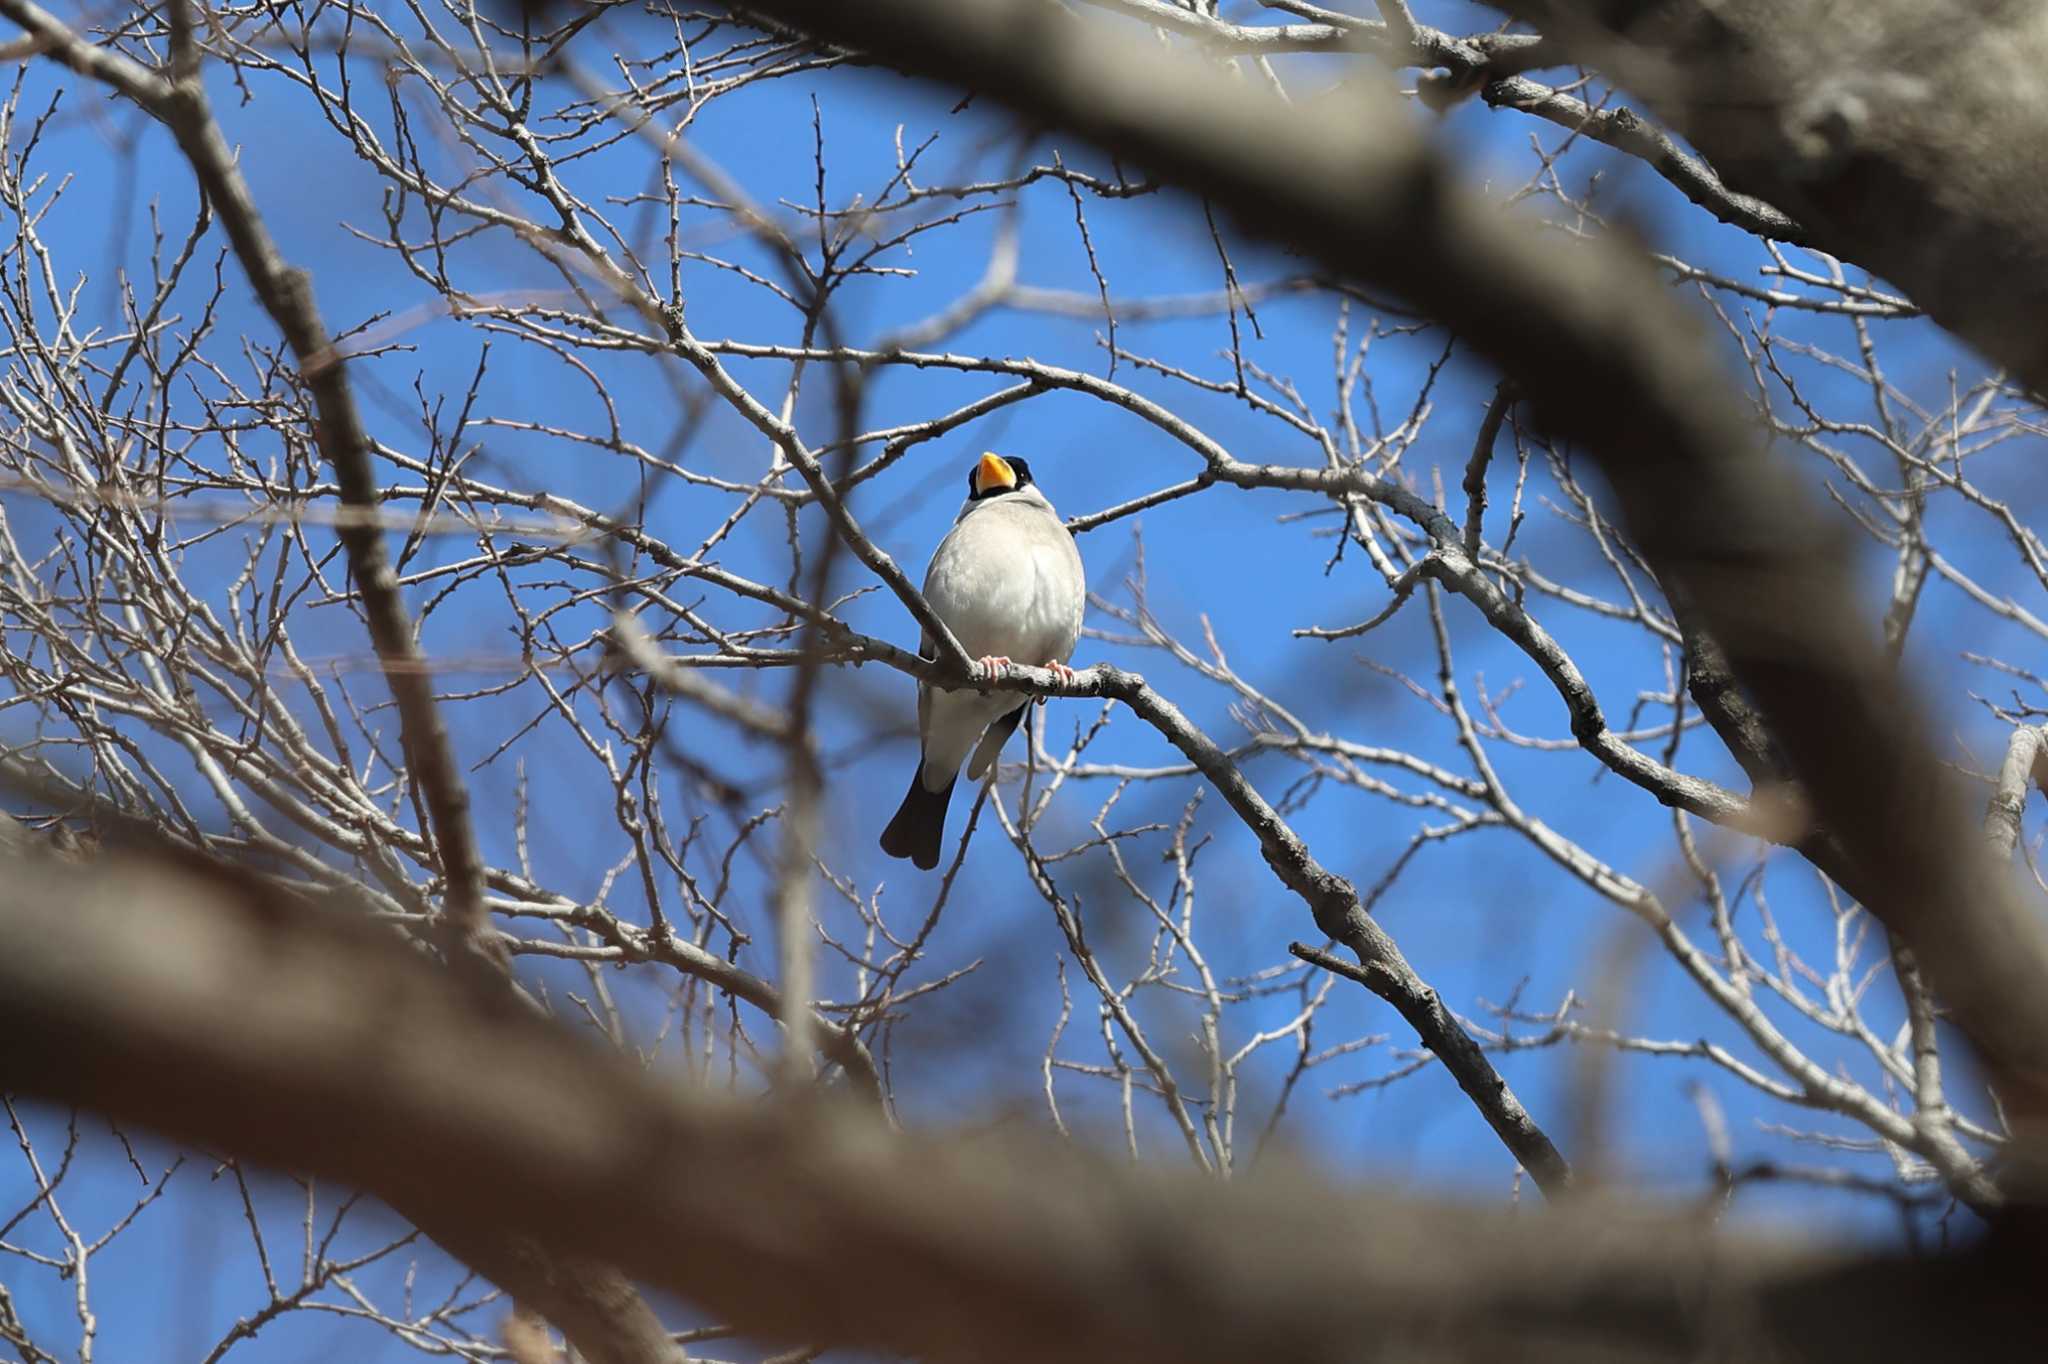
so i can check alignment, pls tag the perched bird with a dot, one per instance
(1007, 581)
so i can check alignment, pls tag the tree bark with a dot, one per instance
(1907, 136)
(215, 1015)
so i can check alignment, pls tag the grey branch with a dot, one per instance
(1626, 131)
(1907, 141)
(2026, 763)
(268, 1027)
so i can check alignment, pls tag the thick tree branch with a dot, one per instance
(2025, 764)
(1906, 139)
(271, 1032)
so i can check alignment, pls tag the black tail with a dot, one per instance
(920, 823)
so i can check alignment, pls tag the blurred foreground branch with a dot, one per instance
(1905, 138)
(273, 1029)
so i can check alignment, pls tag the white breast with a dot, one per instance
(1008, 582)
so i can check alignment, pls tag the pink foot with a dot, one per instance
(1060, 670)
(991, 669)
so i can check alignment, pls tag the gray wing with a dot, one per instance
(991, 745)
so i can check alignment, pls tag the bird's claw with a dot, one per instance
(992, 669)
(1065, 674)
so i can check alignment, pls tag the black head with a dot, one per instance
(993, 475)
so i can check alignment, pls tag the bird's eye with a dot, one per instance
(1023, 472)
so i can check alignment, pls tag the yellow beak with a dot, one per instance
(993, 472)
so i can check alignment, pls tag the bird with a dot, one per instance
(1008, 582)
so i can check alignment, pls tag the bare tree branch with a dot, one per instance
(1896, 140)
(180, 102)
(264, 1022)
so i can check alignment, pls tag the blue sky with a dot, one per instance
(1480, 917)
